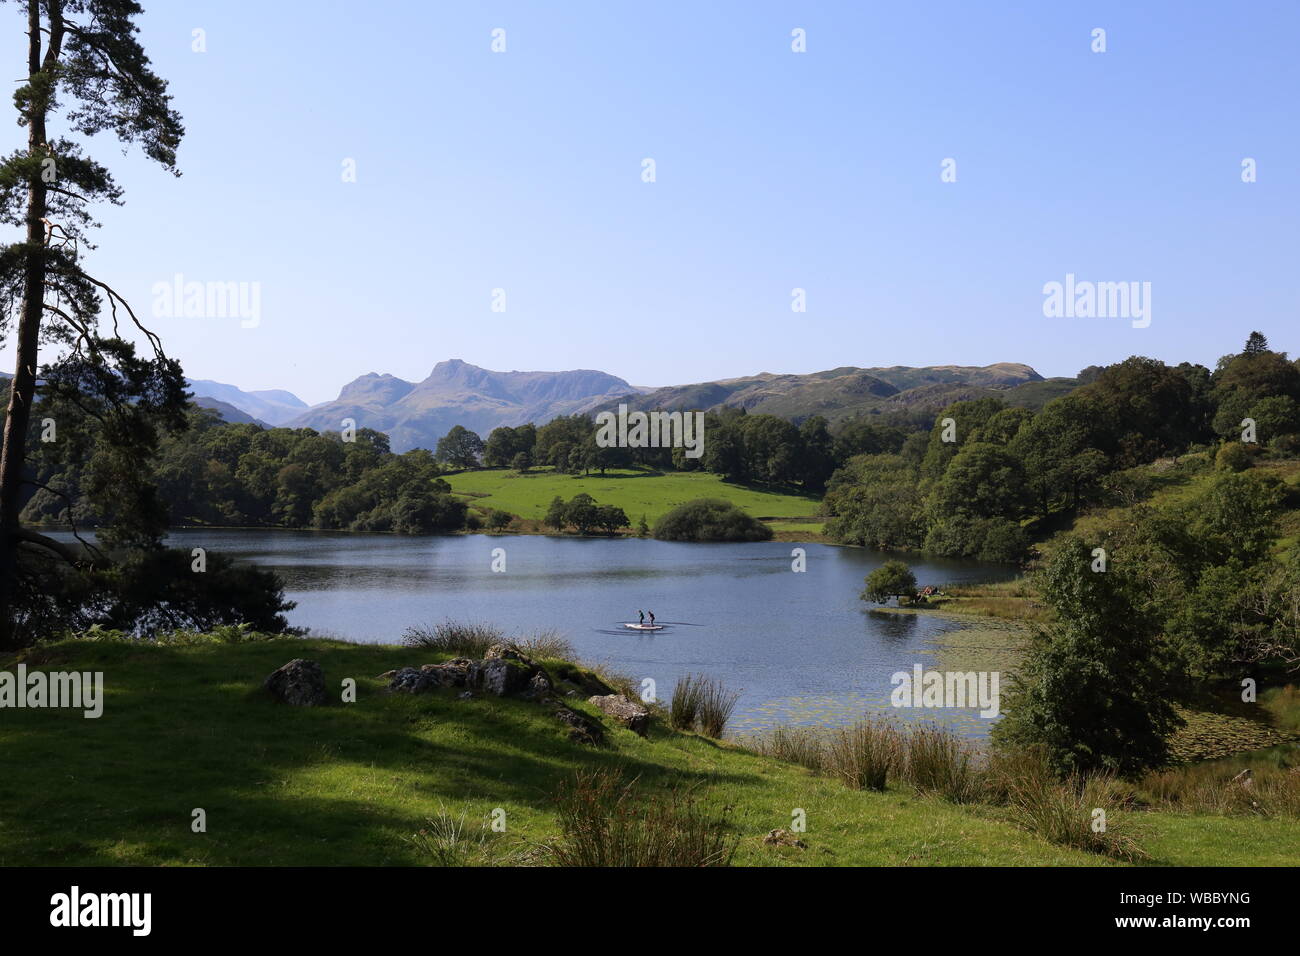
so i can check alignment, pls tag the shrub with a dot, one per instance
(604, 821)
(710, 519)
(1233, 456)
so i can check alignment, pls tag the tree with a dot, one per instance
(1095, 690)
(582, 513)
(891, 579)
(1256, 344)
(557, 515)
(610, 518)
(85, 63)
(459, 448)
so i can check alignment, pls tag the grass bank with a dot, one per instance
(188, 727)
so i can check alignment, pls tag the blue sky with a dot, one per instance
(774, 170)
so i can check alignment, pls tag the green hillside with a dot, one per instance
(638, 493)
(188, 727)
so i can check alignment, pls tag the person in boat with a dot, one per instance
(642, 613)
(652, 618)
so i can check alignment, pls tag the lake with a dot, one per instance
(800, 647)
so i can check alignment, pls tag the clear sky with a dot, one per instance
(775, 170)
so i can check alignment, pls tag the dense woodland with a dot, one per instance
(978, 479)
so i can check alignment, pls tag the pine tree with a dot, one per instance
(86, 68)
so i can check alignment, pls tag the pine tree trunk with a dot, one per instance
(22, 391)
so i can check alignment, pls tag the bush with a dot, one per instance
(606, 822)
(1233, 456)
(710, 519)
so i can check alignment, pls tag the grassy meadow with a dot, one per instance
(637, 492)
(188, 726)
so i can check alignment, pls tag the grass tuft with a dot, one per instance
(606, 821)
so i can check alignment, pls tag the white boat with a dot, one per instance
(645, 627)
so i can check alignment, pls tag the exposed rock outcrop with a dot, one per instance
(299, 682)
(503, 672)
(627, 712)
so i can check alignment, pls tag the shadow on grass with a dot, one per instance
(187, 728)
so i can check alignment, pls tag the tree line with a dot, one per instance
(987, 477)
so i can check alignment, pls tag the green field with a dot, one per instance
(188, 727)
(637, 492)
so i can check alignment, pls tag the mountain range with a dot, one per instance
(417, 414)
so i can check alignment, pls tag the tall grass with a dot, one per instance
(547, 646)
(936, 760)
(800, 745)
(864, 754)
(685, 706)
(702, 703)
(448, 840)
(1083, 813)
(453, 637)
(607, 821)
(717, 704)
(1210, 788)
(473, 640)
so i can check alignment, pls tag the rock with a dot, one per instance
(581, 727)
(408, 680)
(504, 672)
(299, 682)
(504, 677)
(453, 673)
(629, 713)
(539, 686)
(783, 838)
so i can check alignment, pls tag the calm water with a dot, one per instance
(801, 647)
